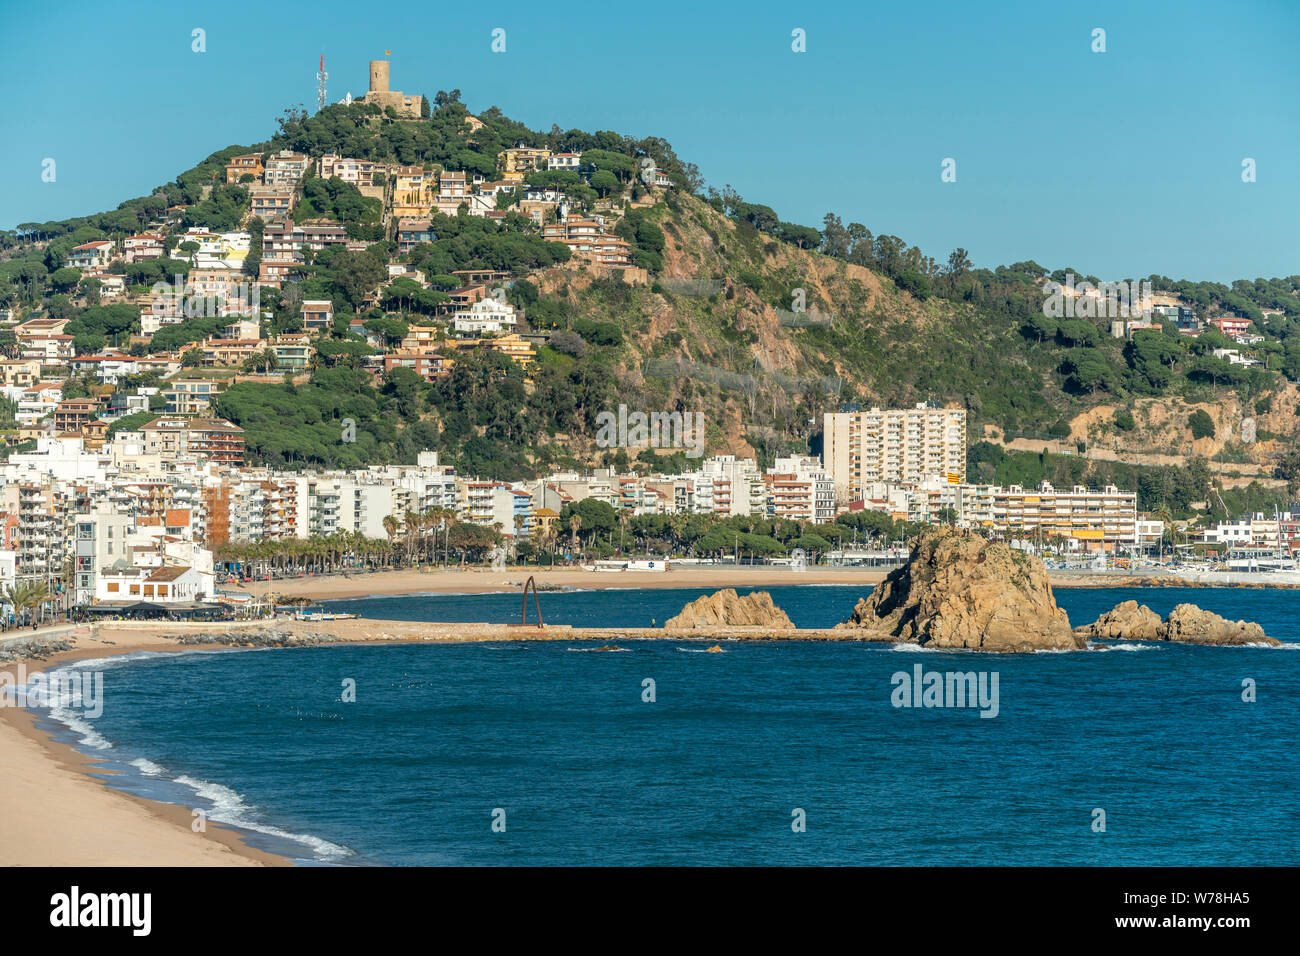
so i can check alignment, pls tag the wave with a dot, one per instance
(85, 731)
(228, 806)
(1124, 647)
(148, 767)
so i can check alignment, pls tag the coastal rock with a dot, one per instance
(1186, 623)
(726, 608)
(36, 649)
(260, 637)
(960, 590)
(1192, 625)
(1129, 620)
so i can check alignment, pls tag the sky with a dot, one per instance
(1121, 163)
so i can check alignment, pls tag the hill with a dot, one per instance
(761, 325)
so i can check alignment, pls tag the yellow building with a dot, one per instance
(543, 519)
(513, 345)
(414, 192)
(516, 162)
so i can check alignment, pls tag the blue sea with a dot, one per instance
(770, 753)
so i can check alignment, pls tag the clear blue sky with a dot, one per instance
(1121, 163)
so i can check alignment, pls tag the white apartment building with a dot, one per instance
(726, 485)
(799, 489)
(1089, 520)
(101, 542)
(896, 446)
(485, 315)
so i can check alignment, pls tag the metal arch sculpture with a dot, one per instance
(537, 606)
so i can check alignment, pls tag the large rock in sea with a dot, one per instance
(960, 590)
(726, 608)
(1186, 624)
(1191, 625)
(1128, 620)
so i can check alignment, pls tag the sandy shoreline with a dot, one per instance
(53, 813)
(458, 581)
(479, 581)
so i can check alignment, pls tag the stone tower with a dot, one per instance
(406, 107)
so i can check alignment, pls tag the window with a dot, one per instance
(112, 587)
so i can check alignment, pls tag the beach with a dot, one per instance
(434, 580)
(481, 580)
(53, 813)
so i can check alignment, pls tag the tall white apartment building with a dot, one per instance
(799, 489)
(726, 485)
(893, 445)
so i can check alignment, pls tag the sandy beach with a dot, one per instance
(481, 580)
(52, 813)
(478, 581)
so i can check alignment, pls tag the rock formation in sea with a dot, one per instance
(960, 590)
(1190, 624)
(726, 608)
(1127, 620)
(1186, 623)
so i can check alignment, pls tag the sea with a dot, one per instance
(766, 753)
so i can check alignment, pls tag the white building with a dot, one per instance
(168, 584)
(896, 446)
(486, 315)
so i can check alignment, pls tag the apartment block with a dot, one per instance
(895, 446)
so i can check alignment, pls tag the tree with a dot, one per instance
(1087, 371)
(604, 182)
(26, 596)
(1288, 469)
(958, 263)
(1201, 424)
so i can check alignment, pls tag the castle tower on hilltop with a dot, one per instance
(407, 107)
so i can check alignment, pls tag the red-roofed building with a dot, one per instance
(1230, 324)
(91, 255)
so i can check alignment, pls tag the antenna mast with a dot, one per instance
(321, 77)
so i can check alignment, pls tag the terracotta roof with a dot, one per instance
(169, 573)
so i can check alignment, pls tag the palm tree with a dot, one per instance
(411, 532)
(25, 596)
(428, 535)
(390, 529)
(575, 522)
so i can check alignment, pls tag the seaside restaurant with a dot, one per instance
(172, 611)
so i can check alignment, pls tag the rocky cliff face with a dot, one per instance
(1186, 623)
(726, 608)
(960, 590)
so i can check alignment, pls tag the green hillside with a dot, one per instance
(762, 325)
